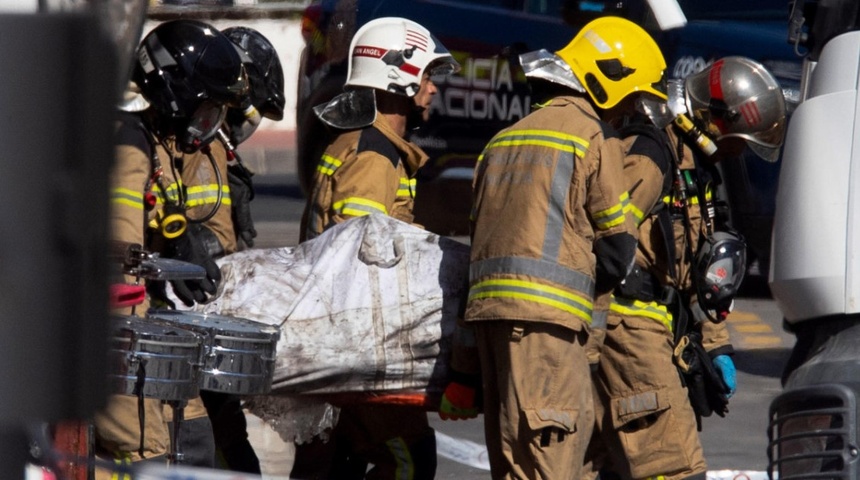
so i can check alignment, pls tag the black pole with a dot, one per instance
(57, 101)
(14, 447)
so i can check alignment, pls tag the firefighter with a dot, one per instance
(266, 100)
(549, 232)
(232, 223)
(370, 168)
(670, 310)
(185, 76)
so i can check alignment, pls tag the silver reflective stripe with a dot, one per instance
(642, 402)
(555, 223)
(598, 319)
(558, 416)
(545, 270)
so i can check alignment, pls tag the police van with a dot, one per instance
(489, 93)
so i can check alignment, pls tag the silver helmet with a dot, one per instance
(738, 97)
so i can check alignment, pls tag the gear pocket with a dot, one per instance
(649, 435)
(552, 425)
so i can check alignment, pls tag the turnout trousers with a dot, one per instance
(646, 427)
(537, 398)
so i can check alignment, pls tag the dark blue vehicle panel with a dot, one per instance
(486, 37)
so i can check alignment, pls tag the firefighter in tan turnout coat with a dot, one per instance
(157, 132)
(677, 293)
(549, 233)
(370, 168)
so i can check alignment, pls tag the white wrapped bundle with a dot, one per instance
(369, 306)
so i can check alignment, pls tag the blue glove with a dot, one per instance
(726, 367)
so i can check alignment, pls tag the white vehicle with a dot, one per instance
(815, 257)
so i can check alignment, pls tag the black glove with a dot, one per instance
(241, 194)
(191, 247)
(706, 388)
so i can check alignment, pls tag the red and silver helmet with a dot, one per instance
(392, 54)
(738, 97)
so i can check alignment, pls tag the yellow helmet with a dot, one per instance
(613, 57)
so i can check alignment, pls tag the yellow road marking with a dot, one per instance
(743, 317)
(762, 341)
(754, 328)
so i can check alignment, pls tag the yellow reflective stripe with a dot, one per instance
(533, 292)
(357, 207)
(544, 138)
(407, 187)
(636, 308)
(207, 194)
(125, 461)
(328, 165)
(172, 193)
(694, 200)
(625, 202)
(639, 215)
(610, 217)
(402, 457)
(127, 197)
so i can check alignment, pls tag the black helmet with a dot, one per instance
(265, 74)
(189, 72)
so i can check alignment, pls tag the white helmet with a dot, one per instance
(392, 54)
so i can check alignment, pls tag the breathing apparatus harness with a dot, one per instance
(718, 266)
(706, 389)
(172, 220)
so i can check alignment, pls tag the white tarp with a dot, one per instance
(369, 306)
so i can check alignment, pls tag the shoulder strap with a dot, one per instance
(372, 139)
(658, 150)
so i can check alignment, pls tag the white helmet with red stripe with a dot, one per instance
(738, 97)
(392, 54)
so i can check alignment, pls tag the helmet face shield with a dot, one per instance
(201, 128)
(265, 74)
(241, 124)
(738, 97)
(442, 67)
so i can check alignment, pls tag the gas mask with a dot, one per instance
(199, 130)
(720, 266)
